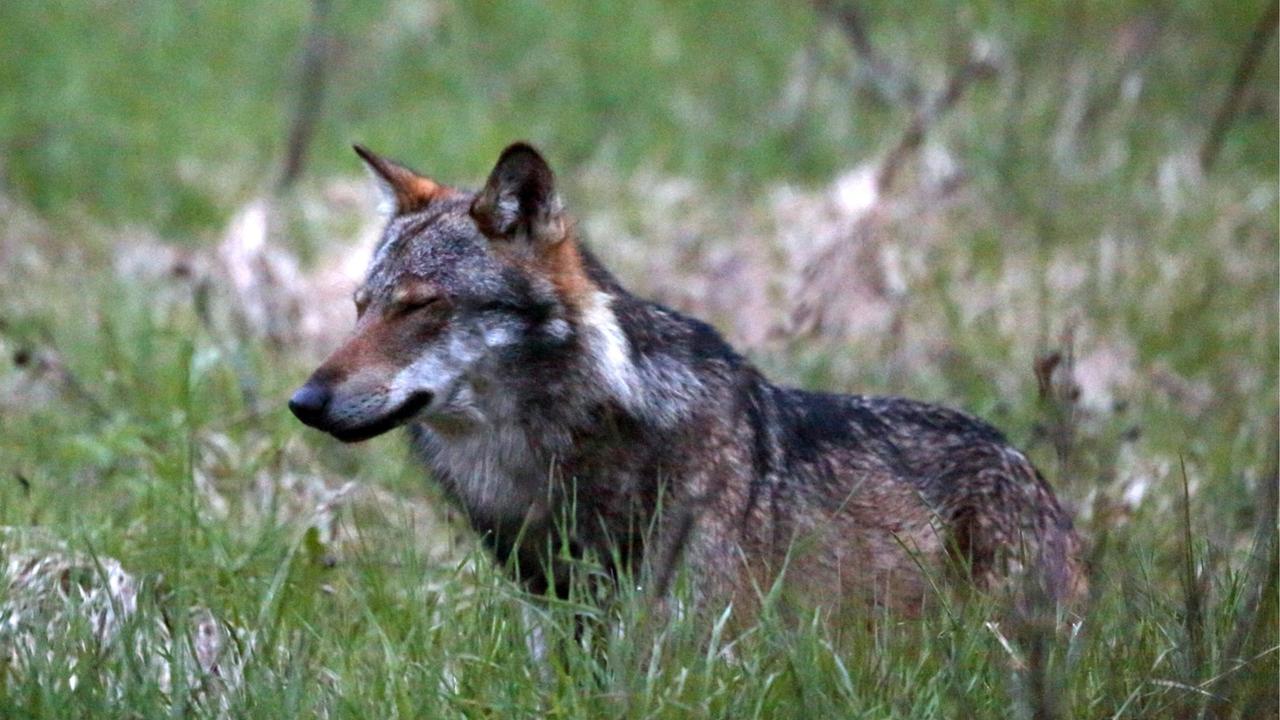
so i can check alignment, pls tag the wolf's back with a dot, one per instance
(993, 510)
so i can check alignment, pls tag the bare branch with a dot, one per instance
(926, 115)
(312, 81)
(1262, 34)
(893, 84)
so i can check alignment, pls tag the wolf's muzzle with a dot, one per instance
(314, 405)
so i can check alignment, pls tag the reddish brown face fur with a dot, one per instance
(388, 337)
(457, 278)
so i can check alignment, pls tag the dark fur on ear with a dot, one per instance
(519, 200)
(403, 190)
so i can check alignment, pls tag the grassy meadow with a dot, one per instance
(1019, 209)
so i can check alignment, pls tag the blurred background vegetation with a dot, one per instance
(1058, 215)
(167, 114)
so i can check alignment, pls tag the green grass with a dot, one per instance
(136, 424)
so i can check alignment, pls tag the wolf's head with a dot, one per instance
(463, 287)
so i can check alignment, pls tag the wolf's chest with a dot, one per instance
(494, 471)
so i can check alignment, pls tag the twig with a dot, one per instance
(312, 83)
(48, 361)
(1059, 395)
(895, 86)
(806, 317)
(1262, 33)
(975, 68)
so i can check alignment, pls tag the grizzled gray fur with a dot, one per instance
(560, 412)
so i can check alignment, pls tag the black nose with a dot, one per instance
(309, 402)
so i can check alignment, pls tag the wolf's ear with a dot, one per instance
(519, 200)
(403, 190)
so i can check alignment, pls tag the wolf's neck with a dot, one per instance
(654, 381)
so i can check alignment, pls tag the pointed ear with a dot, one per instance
(403, 190)
(519, 200)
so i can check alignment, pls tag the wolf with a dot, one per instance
(567, 418)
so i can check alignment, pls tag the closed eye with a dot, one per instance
(413, 302)
(419, 303)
